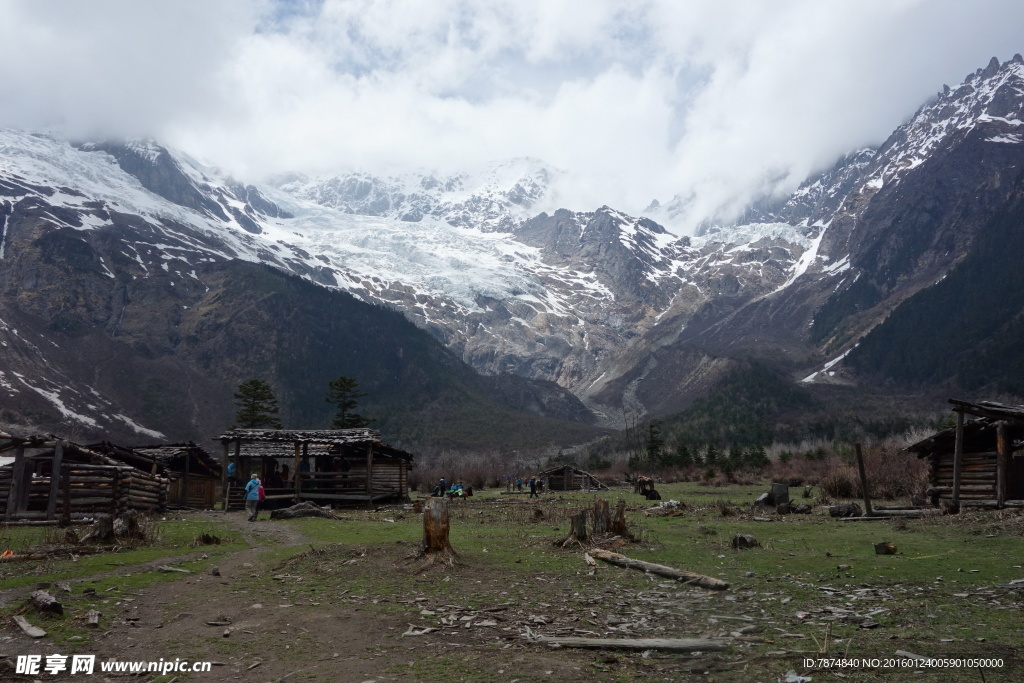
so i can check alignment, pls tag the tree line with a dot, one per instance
(258, 409)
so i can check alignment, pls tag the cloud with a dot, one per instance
(721, 101)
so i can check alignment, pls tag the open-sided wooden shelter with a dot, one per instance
(55, 479)
(569, 478)
(978, 462)
(342, 466)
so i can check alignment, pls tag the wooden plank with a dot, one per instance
(958, 456)
(224, 473)
(28, 628)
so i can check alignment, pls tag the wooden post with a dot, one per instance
(224, 491)
(958, 457)
(184, 479)
(369, 470)
(58, 458)
(1002, 462)
(295, 471)
(66, 511)
(14, 494)
(863, 481)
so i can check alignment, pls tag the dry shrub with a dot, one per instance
(725, 508)
(892, 474)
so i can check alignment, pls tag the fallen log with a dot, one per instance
(302, 510)
(660, 570)
(669, 644)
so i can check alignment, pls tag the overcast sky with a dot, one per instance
(633, 100)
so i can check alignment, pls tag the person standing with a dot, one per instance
(252, 497)
(533, 488)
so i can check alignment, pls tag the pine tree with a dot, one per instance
(711, 456)
(344, 392)
(655, 443)
(684, 458)
(257, 406)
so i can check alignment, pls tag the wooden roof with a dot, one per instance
(989, 409)
(979, 434)
(303, 436)
(272, 442)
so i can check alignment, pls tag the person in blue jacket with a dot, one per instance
(252, 497)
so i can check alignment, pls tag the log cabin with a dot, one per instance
(340, 467)
(569, 478)
(193, 474)
(56, 479)
(979, 461)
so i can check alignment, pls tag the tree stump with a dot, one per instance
(618, 525)
(602, 516)
(436, 547)
(44, 602)
(578, 529)
(102, 531)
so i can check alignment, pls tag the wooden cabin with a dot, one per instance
(55, 479)
(569, 478)
(979, 461)
(344, 466)
(193, 474)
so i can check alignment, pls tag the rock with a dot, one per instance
(845, 510)
(742, 541)
(885, 548)
(764, 500)
(802, 509)
(784, 508)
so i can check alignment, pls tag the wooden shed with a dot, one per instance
(193, 474)
(342, 466)
(569, 478)
(978, 462)
(55, 479)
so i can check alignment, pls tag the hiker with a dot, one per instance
(519, 483)
(533, 488)
(233, 473)
(252, 497)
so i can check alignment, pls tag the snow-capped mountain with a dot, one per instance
(613, 307)
(495, 198)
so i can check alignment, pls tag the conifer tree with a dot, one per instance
(257, 406)
(344, 392)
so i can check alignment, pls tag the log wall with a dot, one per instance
(977, 475)
(86, 490)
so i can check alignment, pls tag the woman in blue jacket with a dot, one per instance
(252, 497)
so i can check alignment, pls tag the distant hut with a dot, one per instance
(51, 478)
(978, 462)
(569, 478)
(342, 466)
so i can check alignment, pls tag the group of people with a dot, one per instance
(456, 490)
(535, 484)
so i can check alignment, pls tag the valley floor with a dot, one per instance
(324, 600)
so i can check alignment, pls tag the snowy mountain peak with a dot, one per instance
(496, 197)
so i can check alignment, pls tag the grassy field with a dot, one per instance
(815, 588)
